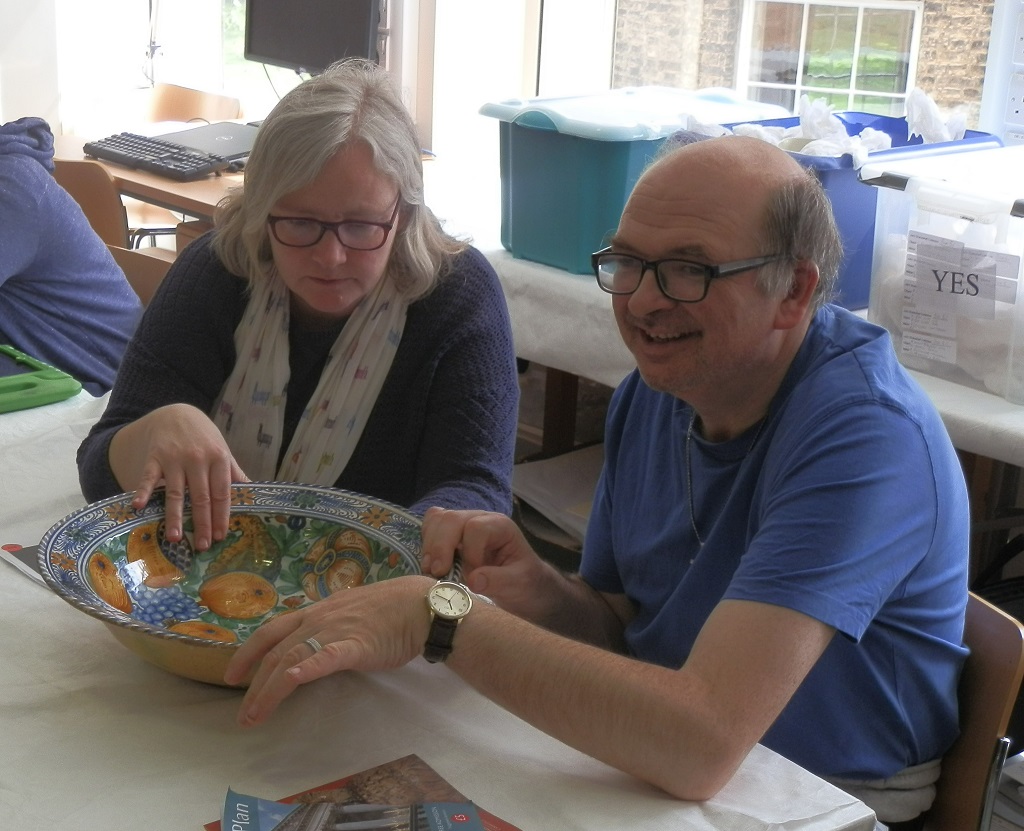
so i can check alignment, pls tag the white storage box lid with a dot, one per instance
(976, 180)
(632, 113)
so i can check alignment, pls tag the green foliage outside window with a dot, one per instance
(878, 71)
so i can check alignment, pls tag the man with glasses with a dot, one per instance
(778, 544)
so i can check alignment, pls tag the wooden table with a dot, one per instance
(196, 199)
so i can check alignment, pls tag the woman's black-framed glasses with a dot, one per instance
(356, 234)
(681, 280)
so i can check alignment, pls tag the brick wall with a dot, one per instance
(954, 48)
(693, 43)
(720, 26)
(657, 42)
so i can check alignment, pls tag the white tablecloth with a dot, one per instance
(559, 319)
(978, 422)
(95, 739)
(38, 475)
(564, 321)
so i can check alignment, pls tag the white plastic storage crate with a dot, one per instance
(853, 204)
(568, 164)
(946, 269)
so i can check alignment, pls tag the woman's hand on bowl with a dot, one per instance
(179, 447)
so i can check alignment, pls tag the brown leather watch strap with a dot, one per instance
(439, 639)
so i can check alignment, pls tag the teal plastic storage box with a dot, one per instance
(569, 164)
(853, 203)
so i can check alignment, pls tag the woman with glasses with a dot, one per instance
(327, 331)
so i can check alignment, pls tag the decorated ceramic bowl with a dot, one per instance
(187, 611)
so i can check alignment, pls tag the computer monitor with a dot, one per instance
(310, 35)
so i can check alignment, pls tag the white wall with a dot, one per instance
(480, 58)
(77, 62)
(190, 44)
(104, 58)
(84, 65)
(576, 50)
(477, 58)
(28, 60)
(101, 59)
(1002, 97)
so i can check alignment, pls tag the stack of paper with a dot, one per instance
(562, 487)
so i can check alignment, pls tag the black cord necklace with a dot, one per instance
(689, 473)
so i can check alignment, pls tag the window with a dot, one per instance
(858, 56)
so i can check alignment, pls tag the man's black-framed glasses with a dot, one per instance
(682, 280)
(356, 234)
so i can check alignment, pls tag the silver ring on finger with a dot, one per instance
(314, 644)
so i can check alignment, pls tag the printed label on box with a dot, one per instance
(1006, 290)
(928, 322)
(930, 348)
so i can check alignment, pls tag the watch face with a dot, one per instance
(449, 600)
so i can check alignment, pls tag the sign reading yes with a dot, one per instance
(957, 282)
(945, 275)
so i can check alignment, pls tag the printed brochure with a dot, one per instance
(404, 790)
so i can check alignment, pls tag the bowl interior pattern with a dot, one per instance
(287, 546)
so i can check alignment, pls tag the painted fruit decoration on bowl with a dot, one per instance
(185, 610)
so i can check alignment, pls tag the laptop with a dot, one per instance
(226, 139)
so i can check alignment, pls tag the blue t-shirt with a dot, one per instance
(847, 504)
(63, 299)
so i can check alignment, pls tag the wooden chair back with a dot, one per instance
(988, 691)
(170, 102)
(145, 268)
(93, 188)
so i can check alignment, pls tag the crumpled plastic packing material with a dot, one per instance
(820, 132)
(924, 120)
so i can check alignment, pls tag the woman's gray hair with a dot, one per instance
(351, 101)
(799, 223)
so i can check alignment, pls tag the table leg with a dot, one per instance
(993, 487)
(560, 394)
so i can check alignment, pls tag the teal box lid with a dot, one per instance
(631, 113)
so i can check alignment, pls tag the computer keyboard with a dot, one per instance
(156, 156)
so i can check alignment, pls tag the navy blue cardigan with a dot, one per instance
(441, 433)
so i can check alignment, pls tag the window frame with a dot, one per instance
(745, 53)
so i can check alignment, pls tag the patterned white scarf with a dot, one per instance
(250, 410)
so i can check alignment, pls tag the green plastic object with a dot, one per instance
(27, 382)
